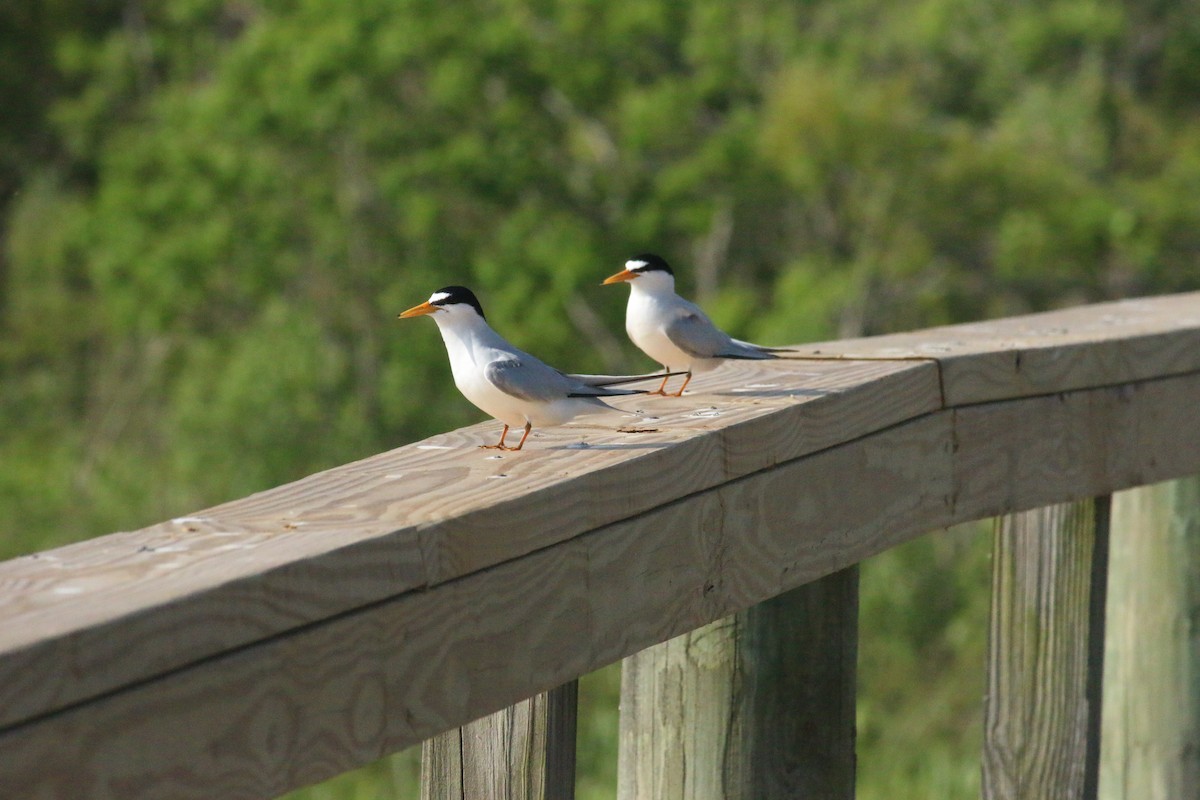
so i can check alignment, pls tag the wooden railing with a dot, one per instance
(274, 641)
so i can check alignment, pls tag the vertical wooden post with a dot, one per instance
(524, 752)
(758, 706)
(1151, 748)
(1046, 653)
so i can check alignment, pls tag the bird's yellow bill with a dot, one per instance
(418, 311)
(623, 275)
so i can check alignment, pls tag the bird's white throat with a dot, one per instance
(655, 282)
(463, 333)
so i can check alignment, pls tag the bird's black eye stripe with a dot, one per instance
(649, 262)
(451, 295)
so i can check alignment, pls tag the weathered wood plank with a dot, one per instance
(416, 516)
(800, 729)
(678, 709)
(1096, 345)
(1042, 705)
(1151, 743)
(1073, 445)
(426, 513)
(299, 707)
(523, 752)
(757, 706)
(306, 705)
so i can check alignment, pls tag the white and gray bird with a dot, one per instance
(675, 332)
(511, 385)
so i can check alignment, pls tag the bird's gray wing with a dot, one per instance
(694, 334)
(765, 349)
(614, 380)
(530, 379)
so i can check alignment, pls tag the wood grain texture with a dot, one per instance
(1074, 445)
(1151, 742)
(677, 708)
(523, 752)
(425, 513)
(84, 619)
(298, 707)
(757, 706)
(1045, 653)
(1075, 348)
(278, 639)
(799, 705)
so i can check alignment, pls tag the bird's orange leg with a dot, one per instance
(662, 387)
(685, 383)
(520, 444)
(499, 446)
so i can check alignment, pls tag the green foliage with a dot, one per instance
(924, 607)
(211, 211)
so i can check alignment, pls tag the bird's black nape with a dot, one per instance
(451, 295)
(649, 262)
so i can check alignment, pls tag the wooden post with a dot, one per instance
(1046, 653)
(524, 752)
(758, 706)
(1151, 748)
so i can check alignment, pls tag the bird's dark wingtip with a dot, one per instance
(764, 355)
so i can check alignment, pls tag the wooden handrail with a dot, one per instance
(272, 641)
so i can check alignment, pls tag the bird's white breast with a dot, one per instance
(646, 319)
(471, 350)
(469, 358)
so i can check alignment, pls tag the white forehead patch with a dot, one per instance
(438, 297)
(635, 265)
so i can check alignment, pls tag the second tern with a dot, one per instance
(673, 331)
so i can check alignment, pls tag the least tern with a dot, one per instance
(675, 332)
(511, 385)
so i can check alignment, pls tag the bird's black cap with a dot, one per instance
(452, 295)
(649, 263)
